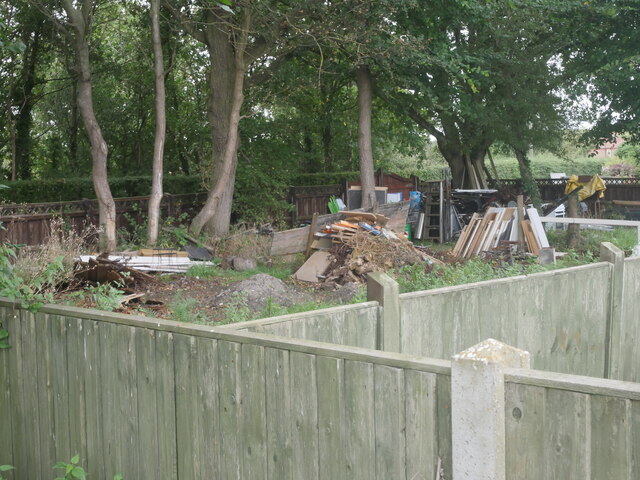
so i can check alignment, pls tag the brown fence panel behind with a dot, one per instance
(551, 189)
(309, 200)
(30, 224)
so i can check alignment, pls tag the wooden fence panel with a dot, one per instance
(580, 428)
(559, 316)
(311, 199)
(155, 399)
(626, 349)
(353, 325)
(30, 224)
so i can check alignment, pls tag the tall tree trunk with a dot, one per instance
(217, 209)
(79, 20)
(11, 123)
(529, 184)
(158, 144)
(24, 101)
(73, 130)
(365, 151)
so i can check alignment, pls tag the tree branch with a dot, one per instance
(186, 22)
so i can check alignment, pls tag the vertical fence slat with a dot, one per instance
(127, 401)
(76, 373)
(48, 405)
(230, 408)
(207, 414)
(278, 414)
(187, 423)
(96, 448)
(389, 409)
(166, 403)
(109, 392)
(29, 379)
(147, 407)
(360, 435)
(304, 415)
(332, 459)
(567, 435)
(525, 441)
(421, 425)
(610, 450)
(253, 419)
(58, 337)
(6, 406)
(443, 386)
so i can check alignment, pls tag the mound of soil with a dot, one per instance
(256, 291)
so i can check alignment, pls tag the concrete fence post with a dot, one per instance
(612, 254)
(477, 409)
(386, 291)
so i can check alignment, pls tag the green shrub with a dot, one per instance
(542, 164)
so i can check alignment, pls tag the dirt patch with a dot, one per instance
(257, 291)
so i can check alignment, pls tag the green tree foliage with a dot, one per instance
(606, 58)
(465, 74)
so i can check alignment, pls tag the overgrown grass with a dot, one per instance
(420, 277)
(590, 240)
(184, 309)
(281, 271)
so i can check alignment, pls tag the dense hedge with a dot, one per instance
(69, 189)
(543, 165)
(323, 178)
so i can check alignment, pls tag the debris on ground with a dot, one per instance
(256, 292)
(350, 248)
(106, 269)
(497, 228)
(170, 263)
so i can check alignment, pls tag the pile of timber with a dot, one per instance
(297, 240)
(344, 229)
(497, 228)
(348, 249)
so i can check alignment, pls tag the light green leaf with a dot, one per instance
(79, 473)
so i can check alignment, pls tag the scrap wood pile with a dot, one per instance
(499, 227)
(348, 249)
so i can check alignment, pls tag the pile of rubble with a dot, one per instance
(348, 249)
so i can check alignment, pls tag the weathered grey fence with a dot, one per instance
(567, 427)
(559, 316)
(354, 325)
(156, 399)
(580, 320)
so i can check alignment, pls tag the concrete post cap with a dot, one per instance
(491, 351)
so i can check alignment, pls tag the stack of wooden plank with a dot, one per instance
(353, 222)
(498, 227)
